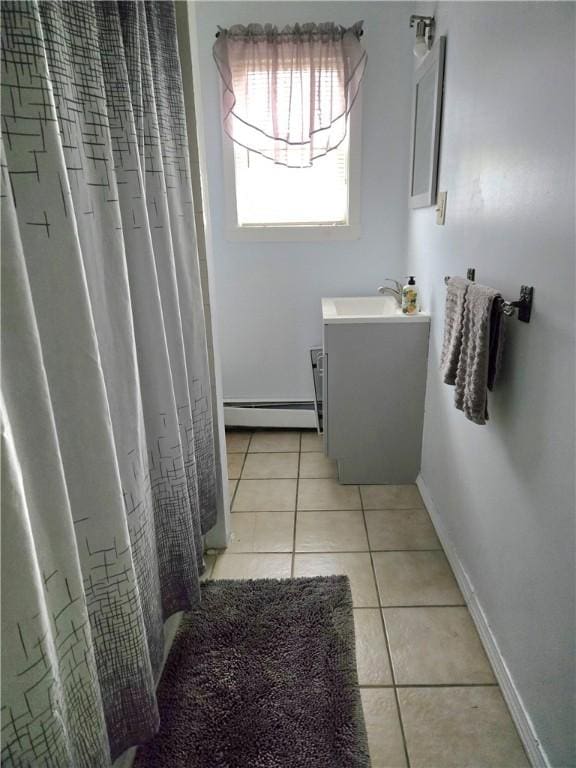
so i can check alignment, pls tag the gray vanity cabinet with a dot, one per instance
(374, 383)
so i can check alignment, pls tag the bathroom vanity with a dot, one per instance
(374, 380)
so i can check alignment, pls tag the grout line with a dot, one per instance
(262, 512)
(296, 506)
(322, 511)
(425, 605)
(207, 575)
(380, 551)
(446, 685)
(386, 641)
(337, 551)
(411, 686)
(349, 551)
(395, 509)
(241, 470)
(268, 453)
(292, 477)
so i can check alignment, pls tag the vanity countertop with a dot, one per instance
(367, 309)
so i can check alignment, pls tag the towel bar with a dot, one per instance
(523, 305)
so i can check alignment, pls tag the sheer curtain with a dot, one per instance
(287, 94)
(107, 456)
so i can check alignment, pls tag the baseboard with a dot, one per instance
(522, 720)
(293, 415)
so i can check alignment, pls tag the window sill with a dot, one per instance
(294, 234)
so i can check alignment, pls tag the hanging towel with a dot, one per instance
(496, 341)
(480, 352)
(453, 318)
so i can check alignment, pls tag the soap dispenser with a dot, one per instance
(410, 297)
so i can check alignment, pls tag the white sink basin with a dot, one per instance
(367, 309)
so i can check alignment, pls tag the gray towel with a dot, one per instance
(480, 352)
(453, 318)
(496, 341)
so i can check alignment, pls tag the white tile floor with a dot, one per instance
(429, 695)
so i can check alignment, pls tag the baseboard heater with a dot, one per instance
(269, 413)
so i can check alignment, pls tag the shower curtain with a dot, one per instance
(107, 448)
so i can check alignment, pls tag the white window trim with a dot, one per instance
(299, 232)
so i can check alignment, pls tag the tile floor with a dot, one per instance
(429, 694)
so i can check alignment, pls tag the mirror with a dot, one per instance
(426, 116)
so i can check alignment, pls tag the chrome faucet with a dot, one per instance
(396, 291)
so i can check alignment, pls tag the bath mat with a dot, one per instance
(262, 676)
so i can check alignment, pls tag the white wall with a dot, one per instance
(186, 30)
(268, 294)
(505, 491)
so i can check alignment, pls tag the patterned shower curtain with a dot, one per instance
(107, 454)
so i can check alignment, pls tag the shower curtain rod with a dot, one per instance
(359, 33)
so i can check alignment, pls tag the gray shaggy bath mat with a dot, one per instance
(262, 676)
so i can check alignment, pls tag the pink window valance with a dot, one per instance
(287, 94)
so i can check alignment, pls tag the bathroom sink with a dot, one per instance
(367, 309)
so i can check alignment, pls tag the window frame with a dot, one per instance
(299, 232)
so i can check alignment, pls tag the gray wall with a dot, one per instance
(505, 491)
(268, 294)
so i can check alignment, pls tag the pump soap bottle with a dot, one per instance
(410, 297)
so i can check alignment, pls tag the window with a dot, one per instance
(268, 194)
(288, 104)
(267, 201)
